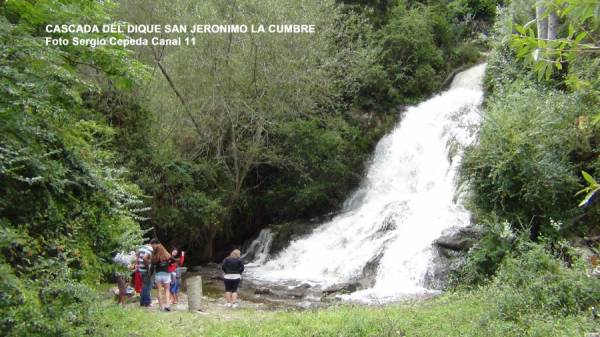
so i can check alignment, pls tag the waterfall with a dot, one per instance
(407, 198)
(258, 250)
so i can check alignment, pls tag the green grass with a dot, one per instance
(454, 314)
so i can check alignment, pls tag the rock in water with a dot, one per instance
(263, 291)
(194, 292)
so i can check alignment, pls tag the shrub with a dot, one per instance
(65, 206)
(536, 281)
(521, 167)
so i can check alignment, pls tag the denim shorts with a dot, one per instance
(162, 277)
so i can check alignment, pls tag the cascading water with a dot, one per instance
(258, 250)
(406, 200)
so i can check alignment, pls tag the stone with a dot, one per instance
(341, 288)
(263, 291)
(369, 273)
(297, 292)
(458, 238)
(213, 265)
(450, 254)
(194, 292)
(196, 268)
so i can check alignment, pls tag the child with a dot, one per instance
(176, 262)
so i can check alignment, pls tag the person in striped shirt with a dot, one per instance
(144, 258)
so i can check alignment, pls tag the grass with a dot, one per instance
(453, 314)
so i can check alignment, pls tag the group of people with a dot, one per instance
(155, 263)
(153, 266)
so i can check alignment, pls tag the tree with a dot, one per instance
(547, 52)
(65, 204)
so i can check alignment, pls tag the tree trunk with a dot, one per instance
(552, 26)
(207, 251)
(542, 21)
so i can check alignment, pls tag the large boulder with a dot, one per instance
(450, 252)
(459, 239)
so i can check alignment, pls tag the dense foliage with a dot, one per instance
(537, 137)
(64, 204)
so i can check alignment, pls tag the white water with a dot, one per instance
(406, 200)
(258, 250)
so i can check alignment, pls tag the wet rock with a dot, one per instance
(341, 288)
(441, 268)
(298, 292)
(257, 250)
(450, 254)
(285, 233)
(458, 239)
(263, 291)
(369, 273)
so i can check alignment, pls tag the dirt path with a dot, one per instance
(212, 307)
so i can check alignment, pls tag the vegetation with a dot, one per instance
(206, 144)
(537, 137)
(65, 206)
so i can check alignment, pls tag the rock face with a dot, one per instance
(450, 253)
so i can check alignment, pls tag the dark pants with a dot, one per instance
(145, 299)
(231, 286)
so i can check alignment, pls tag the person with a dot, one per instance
(161, 260)
(177, 258)
(144, 255)
(233, 267)
(123, 260)
(137, 280)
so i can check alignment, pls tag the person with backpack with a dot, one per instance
(233, 267)
(124, 264)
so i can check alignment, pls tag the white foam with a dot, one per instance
(406, 200)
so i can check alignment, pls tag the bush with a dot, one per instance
(65, 206)
(521, 168)
(533, 290)
(486, 255)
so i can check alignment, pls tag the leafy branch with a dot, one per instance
(591, 190)
(549, 54)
